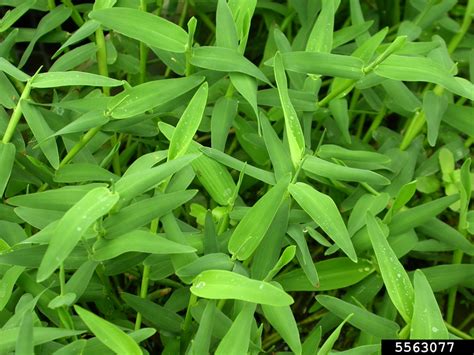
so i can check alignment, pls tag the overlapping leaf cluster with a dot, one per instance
(235, 176)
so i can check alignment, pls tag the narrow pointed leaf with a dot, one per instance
(324, 212)
(221, 284)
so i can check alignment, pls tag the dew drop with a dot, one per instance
(399, 275)
(260, 287)
(200, 284)
(367, 269)
(434, 329)
(79, 229)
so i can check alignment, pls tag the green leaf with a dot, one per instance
(340, 112)
(41, 131)
(139, 182)
(221, 284)
(11, 16)
(250, 170)
(324, 212)
(279, 156)
(7, 284)
(41, 335)
(343, 173)
(362, 319)
(331, 340)
(427, 321)
(73, 225)
(158, 316)
(237, 339)
(141, 98)
(88, 28)
(285, 258)
(252, 228)
(143, 212)
(407, 68)
(393, 273)
(154, 31)
(109, 334)
(247, 87)
(74, 58)
(83, 172)
(226, 33)
(52, 20)
(212, 261)
(202, 340)
(7, 158)
(138, 241)
(413, 217)
(292, 125)
(334, 273)
(225, 109)
(323, 64)
(72, 78)
(321, 37)
(283, 320)
(10, 69)
(24, 343)
(188, 124)
(225, 60)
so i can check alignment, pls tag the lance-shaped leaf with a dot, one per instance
(72, 78)
(72, 226)
(237, 339)
(324, 212)
(188, 124)
(7, 158)
(150, 29)
(139, 241)
(147, 96)
(109, 334)
(427, 321)
(226, 60)
(394, 276)
(343, 173)
(292, 124)
(364, 320)
(222, 284)
(252, 228)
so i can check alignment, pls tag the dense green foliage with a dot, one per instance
(233, 177)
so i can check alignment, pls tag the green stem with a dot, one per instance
(457, 332)
(457, 258)
(51, 4)
(79, 145)
(405, 332)
(375, 124)
(143, 292)
(102, 57)
(143, 50)
(76, 16)
(17, 113)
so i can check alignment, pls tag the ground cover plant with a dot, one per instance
(234, 176)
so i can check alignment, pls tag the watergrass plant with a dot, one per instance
(236, 176)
